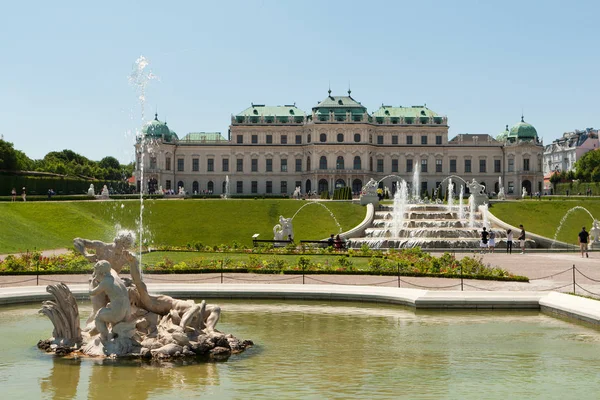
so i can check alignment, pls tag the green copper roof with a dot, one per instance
(256, 110)
(159, 130)
(203, 137)
(502, 136)
(414, 111)
(522, 131)
(340, 102)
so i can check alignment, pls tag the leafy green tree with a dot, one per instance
(588, 166)
(8, 156)
(109, 163)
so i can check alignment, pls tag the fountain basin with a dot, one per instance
(330, 345)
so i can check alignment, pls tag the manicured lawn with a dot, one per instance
(543, 217)
(49, 225)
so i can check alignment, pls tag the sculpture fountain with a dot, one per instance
(127, 321)
(91, 191)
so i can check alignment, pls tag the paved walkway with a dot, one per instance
(546, 271)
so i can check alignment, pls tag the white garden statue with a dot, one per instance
(284, 229)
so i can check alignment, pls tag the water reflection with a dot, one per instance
(118, 379)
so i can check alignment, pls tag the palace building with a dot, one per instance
(274, 149)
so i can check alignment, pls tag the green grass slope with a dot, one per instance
(48, 225)
(544, 217)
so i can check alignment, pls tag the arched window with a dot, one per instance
(308, 138)
(357, 162)
(370, 138)
(339, 164)
(322, 186)
(224, 188)
(371, 164)
(340, 183)
(308, 163)
(195, 187)
(308, 187)
(179, 185)
(322, 137)
(340, 137)
(323, 162)
(356, 186)
(357, 137)
(210, 187)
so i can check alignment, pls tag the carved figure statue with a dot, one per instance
(476, 188)
(113, 287)
(90, 191)
(524, 193)
(370, 188)
(104, 194)
(284, 229)
(127, 319)
(297, 193)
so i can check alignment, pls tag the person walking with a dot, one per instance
(484, 239)
(583, 242)
(522, 239)
(492, 241)
(13, 193)
(509, 241)
(24, 194)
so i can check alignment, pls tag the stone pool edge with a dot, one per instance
(579, 308)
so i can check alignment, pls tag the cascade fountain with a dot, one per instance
(410, 222)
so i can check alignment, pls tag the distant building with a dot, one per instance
(562, 153)
(274, 149)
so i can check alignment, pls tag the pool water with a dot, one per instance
(333, 350)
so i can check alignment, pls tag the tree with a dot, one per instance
(8, 156)
(110, 163)
(588, 166)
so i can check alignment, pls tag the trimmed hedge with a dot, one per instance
(62, 185)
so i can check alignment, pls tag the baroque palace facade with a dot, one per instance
(274, 149)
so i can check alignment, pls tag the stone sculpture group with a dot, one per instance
(128, 321)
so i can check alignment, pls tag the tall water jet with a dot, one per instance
(450, 195)
(139, 79)
(226, 194)
(484, 208)
(472, 211)
(501, 194)
(400, 205)
(416, 185)
(461, 209)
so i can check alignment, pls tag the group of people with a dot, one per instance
(336, 242)
(13, 194)
(488, 240)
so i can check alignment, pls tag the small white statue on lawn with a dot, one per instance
(284, 229)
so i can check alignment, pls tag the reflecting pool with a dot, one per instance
(319, 350)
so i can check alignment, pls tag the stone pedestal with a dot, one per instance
(366, 199)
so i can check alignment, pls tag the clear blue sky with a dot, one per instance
(64, 65)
